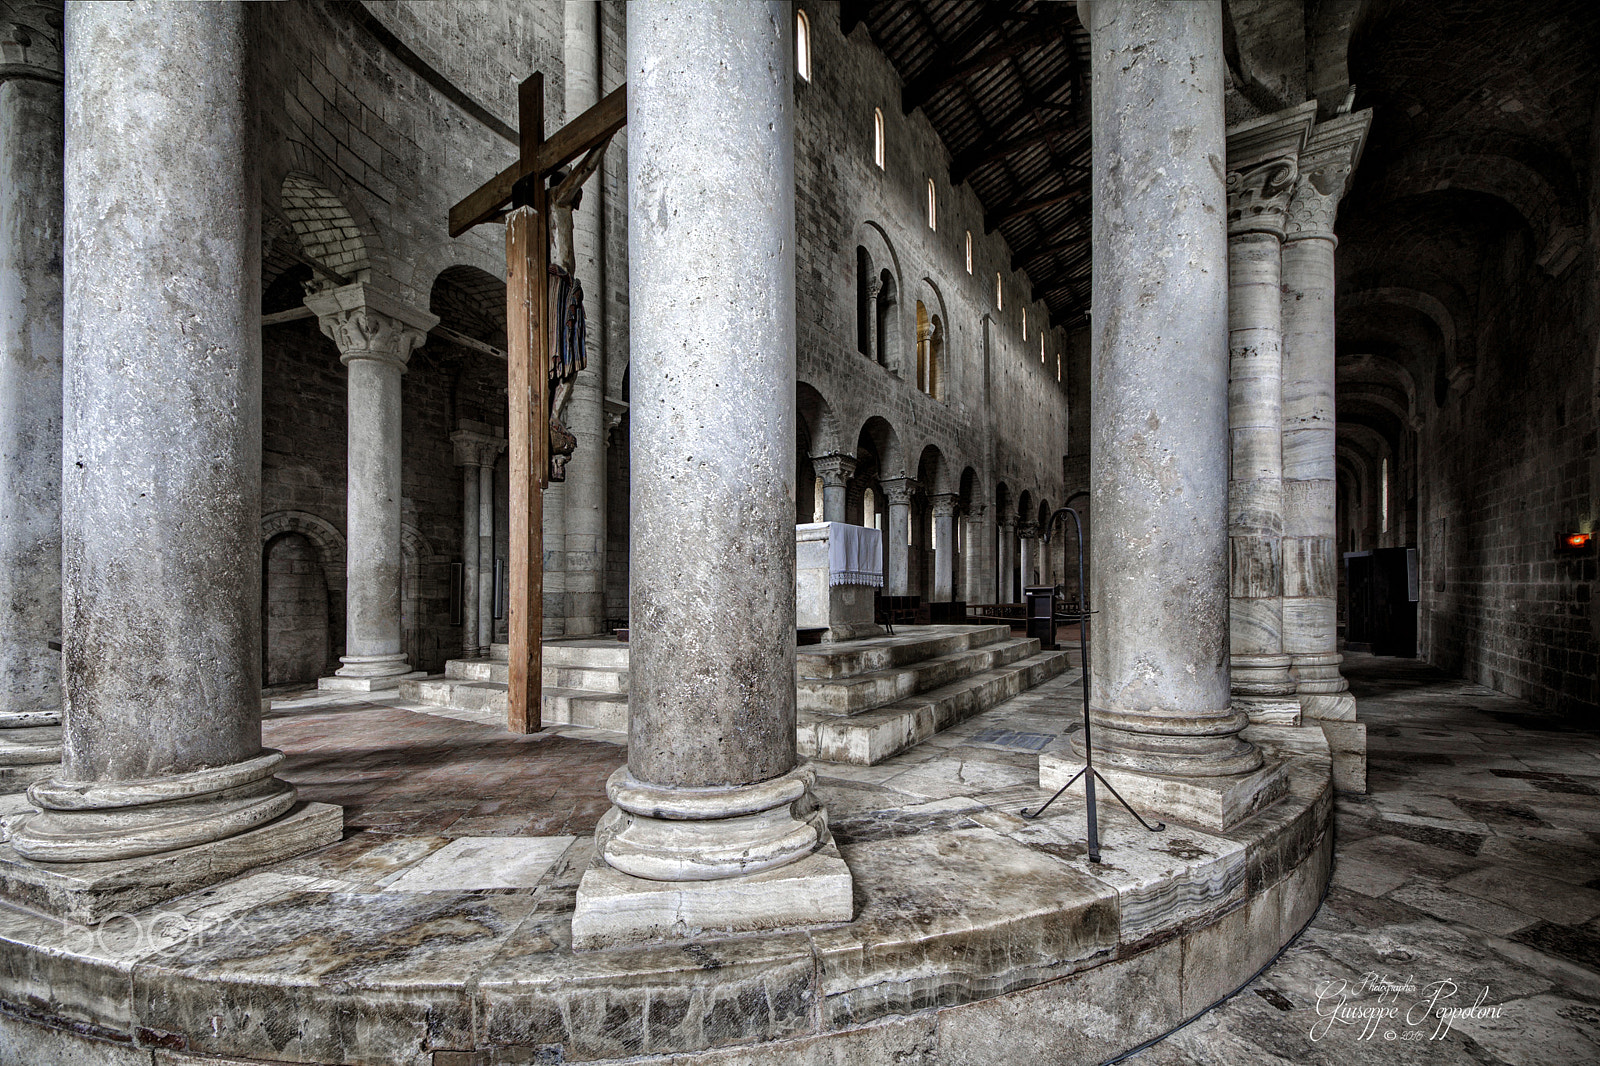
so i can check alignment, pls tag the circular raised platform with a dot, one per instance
(978, 936)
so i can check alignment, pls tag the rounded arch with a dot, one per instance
(323, 227)
(933, 473)
(471, 301)
(878, 441)
(968, 490)
(818, 416)
(1025, 510)
(289, 157)
(1002, 501)
(322, 534)
(933, 341)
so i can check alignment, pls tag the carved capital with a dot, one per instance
(368, 324)
(1027, 530)
(834, 470)
(1258, 196)
(476, 449)
(945, 504)
(1007, 524)
(899, 491)
(976, 510)
(1331, 153)
(30, 40)
(873, 287)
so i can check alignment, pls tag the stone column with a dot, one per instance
(1007, 558)
(1261, 172)
(835, 472)
(475, 454)
(484, 591)
(713, 827)
(1027, 542)
(897, 493)
(30, 393)
(874, 286)
(1310, 555)
(1160, 694)
(161, 498)
(979, 557)
(945, 507)
(585, 487)
(376, 334)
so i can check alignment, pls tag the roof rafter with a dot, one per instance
(940, 74)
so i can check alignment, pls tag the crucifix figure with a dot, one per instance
(535, 218)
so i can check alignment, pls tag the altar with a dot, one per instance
(838, 570)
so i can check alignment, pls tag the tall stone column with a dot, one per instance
(1261, 172)
(30, 392)
(585, 487)
(1007, 558)
(1027, 544)
(1159, 698)
(376, 335)
(476, 451)
(161, 499)
(835, 472)
(897, 493)
(713, 827)
(1310, 556)
(874, 287)
(945, 508)
(979, 556)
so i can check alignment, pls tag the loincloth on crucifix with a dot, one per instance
(568, 328)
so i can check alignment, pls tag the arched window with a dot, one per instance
(930, 350)
(802, 45)
(867, 286)
(999, 294)
(933, 207)
(969, 251)
(888, 350)
(1058, 366)
(1025, 333)
(1383, 496)
(1025, 336)
(869, 509)
(877, 136)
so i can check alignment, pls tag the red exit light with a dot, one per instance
(1576, 540)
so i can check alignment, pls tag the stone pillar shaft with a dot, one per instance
(30, 377)
(1159, 695)
(475, 454)
(713, 790)
(944, 552)
(1006, 560)
(979, 555)
(1258, 195)
(1027, 542)
(897, 494)
(469, 559)
(161, 502)
(484, 589)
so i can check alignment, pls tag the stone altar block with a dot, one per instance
(828, 594)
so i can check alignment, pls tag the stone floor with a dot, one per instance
(1469, 876)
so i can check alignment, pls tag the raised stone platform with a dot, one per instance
(859, 701)
(977, 936)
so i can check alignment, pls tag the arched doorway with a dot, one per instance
(295, 631)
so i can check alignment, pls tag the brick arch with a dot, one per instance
(322, 534)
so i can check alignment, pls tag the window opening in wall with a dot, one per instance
(802, 45)
(924, 328)
(933, 207)
(869, 508)
(1383, 496)
(999, 293)
(1041, 346)
(1058, 366)
(969, 251)
(1025, 332)
(816, 501)
(930, 352)
(877, 136)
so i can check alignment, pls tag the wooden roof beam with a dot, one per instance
(1015, 210)
(941, 74)
(974, 159)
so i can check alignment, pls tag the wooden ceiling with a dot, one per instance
(1005, 83)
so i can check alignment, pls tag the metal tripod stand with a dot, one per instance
(1089, 774)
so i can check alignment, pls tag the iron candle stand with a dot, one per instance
(1088, 773)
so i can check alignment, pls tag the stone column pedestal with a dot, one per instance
(897, 494)
(30, 395)
(376, 334)
(714, 828)
(164, 785)
(835, 472)
(1159, 696)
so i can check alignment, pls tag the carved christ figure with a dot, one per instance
(565, 199)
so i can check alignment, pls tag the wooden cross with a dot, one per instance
(517, 195)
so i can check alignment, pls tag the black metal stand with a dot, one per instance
(1089, 774)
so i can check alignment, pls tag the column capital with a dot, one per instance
(834, 469)
(898, 491)
(476, 449)
(945, 504)
(1258, 196)
(1007, 522)
(874, 286)
(1027, 530)
(30, 40)
(367, 323)
(976, 510)
(1331, 153)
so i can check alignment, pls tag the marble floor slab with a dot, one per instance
(469, 864)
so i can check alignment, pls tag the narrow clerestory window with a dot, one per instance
(802, 45)
(969, 251)
(999, 293)
(933, 207)
(1025, 332)
(1383, 496)
(1041, 341)
(877, 136)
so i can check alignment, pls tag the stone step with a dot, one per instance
(869, 738)
(911, 644)
(863, 692)
(598, 710)
(478, 670)
(606, 654)
(500, 652)
(454, 692)
(588, 678)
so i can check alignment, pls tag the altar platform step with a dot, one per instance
(857, 693)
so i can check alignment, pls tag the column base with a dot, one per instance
(1214, 803)
(28, 755)
(369, 673)
(1332, 706)
(26, 719)
(90, 892)
(1269, 710)
(1348, 743)
(614, 908)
